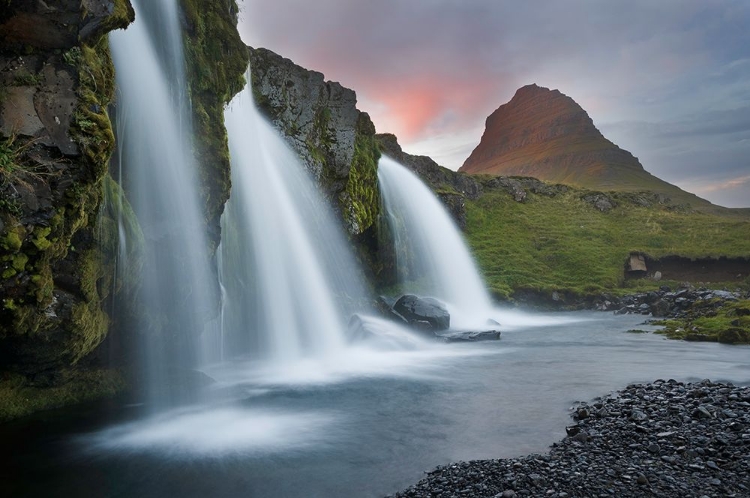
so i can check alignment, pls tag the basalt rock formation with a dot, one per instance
(545, 134)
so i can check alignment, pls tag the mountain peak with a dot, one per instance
(546, 134)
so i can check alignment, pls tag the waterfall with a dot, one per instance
(430, 252)
(178, 292)
(288, 276)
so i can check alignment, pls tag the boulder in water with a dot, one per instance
(423, 309)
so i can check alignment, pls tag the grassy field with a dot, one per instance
(563, 243)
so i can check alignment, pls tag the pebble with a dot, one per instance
(680, 450)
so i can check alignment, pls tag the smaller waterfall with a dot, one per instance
(430, 250)
(285, 268)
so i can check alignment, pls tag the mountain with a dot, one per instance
(545, 134)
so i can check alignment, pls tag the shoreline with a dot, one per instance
(665, 439)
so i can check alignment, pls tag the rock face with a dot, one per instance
(545, 134)
(62, 24)
(58, 228)
(55, 143)
(320, 121)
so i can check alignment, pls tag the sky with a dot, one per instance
(667, 80)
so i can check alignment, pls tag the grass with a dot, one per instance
(706, 321)
(563, 243)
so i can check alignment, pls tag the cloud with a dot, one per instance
(436, 68)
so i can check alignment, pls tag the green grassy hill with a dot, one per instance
(561, 241)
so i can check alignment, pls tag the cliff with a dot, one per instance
(545, 134)
(335, 140)
(56, 139)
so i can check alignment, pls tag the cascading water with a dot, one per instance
(430, 249)
(177, 293)
(288, 276)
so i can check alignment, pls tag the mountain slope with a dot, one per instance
(545, 134)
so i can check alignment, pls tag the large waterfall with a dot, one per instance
(159, 175)
(289, 280)
(430, 252)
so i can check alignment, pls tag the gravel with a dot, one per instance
(663, 439)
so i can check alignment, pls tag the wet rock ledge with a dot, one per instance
(665, 439)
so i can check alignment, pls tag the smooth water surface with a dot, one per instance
(363, 427)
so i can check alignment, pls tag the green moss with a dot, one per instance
(20, 397)
(116, 212)
(89, 327)
(13, 240)
(19, 262)
(361, 199)
(40, 238)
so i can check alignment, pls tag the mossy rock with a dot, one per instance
(216, 61)
(52, 310)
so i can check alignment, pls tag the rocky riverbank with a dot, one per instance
(665, 439)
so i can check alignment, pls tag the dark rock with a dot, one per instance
(384, 305)
(423, 309)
